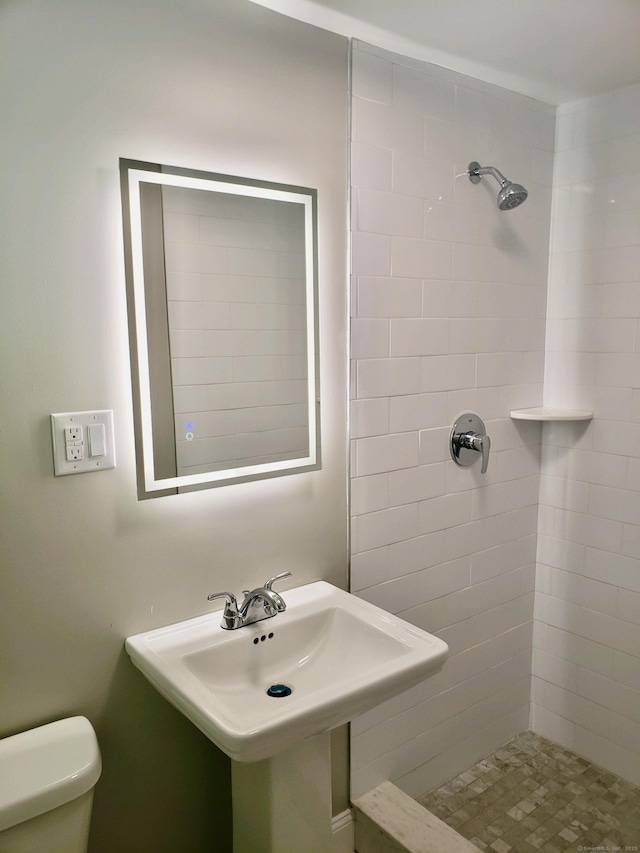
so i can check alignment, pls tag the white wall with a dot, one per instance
(448, 315)
(586, 686)
(225, 86)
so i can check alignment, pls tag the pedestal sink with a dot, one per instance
(268, 694)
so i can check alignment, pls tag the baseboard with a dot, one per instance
(343, 832)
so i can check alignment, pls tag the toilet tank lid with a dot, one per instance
(46, 767)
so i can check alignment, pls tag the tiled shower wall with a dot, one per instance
(587, 642)
(449, 304)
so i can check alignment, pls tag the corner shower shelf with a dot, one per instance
(549, 413)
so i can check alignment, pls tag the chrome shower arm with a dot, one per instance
(476, 171)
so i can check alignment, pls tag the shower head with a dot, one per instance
(510, 194)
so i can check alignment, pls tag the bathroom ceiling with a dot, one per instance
(553, 50)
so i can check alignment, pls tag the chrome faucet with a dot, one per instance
(260, 603)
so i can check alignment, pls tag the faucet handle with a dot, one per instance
(230, 597)
(269, 584)
(230, 614)
(483, 443)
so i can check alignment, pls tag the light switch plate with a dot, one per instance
(93, 456)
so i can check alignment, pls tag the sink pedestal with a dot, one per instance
(283, 804)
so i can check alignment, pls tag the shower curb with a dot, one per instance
(389, 821)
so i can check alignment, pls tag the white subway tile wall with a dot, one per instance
(452, 318)
(236, 301)
(586, 665)
(449, 299)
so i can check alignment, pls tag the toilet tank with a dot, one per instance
(47, 776)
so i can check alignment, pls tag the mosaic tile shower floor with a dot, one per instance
(532, 796)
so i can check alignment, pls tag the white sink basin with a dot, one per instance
(339, 656)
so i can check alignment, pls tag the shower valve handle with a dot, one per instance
(468, 438)
(480, 443)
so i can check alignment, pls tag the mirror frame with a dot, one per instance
(132, 174)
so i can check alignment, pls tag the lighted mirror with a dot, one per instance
(221, 286)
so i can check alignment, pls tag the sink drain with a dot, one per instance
(279, 690)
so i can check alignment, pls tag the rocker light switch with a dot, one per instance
(82, 441)
(96, 440)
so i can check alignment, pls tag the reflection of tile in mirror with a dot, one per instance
(235, 270)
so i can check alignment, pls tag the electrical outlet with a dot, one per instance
(82, 441)
(74, 451)
(72, 433)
